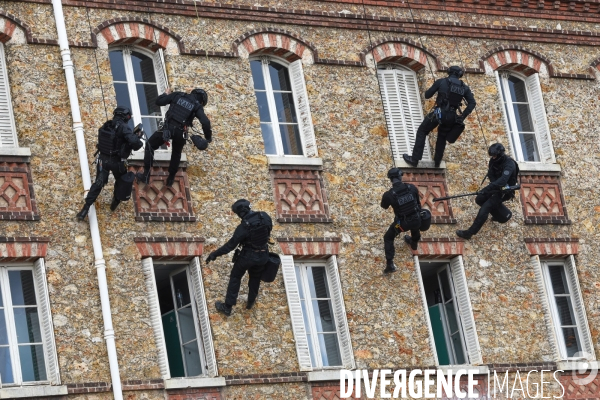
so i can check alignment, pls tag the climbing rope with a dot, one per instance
(97, 65)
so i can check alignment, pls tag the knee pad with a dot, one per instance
(502, 216)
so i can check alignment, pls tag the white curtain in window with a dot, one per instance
(8, 131)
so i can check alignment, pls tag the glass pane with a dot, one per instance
(290, 138)
(324, 320)
(147, 95)
(571, 341)
(445, 282)
(458, 350)
(523, 117)
(313, 359)
(22, 290)
(33, 367)
(299, 282)
(6, 366)
(257, 75)
(192, 359)
(3, 333)
(565, 310)
(451, 315)
(268, 138)
(117, 66)
(122, 94)
(143, 67)
(518, 93)
(263, 107)
(27, 323)
(529, 147)
(150, 125)
(280, 79)
(182, 292)
(305, 315)
(317, 278)
(330, 351)
(558, 279)
(186, 324)
(284, 105)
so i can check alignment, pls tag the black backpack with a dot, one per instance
(451, 100)
(109, 138)
(259, 227)
(406, 203)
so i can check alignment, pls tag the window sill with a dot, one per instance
(538, 167)
(422, 164)
(571, 365)
(294, 160)
(184, 383)
(158, 156)
(324, 375)
(33, 391)
(481, 369)
(15, 151)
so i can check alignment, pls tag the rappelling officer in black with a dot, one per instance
(252, 234)
(184, 108)
(404, 199)
(116, 140)
(447, 114)
(502, 172)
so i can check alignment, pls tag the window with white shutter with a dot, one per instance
(525, 117)
(318, 314)
(402, 107)
(8, 131)
(568, 320)
(449, 313)
(180, 319)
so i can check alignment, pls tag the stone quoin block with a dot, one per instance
(432, 184)
(542, 200)
(17, 200)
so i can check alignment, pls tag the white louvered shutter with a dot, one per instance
(571, 272)
(339, 310)
(539, 280)
(203, 317)
(8, 131)
(305, 124)
(160, 71)
(502, 100)
(293, 297)
(466, 311)
(403, 110)
(41, 287)
(426, 310)
(538, 112)
(155, 317)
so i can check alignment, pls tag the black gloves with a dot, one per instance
(460, 119)
(211, 257)
(166, 135)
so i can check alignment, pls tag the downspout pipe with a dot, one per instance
(109, 333)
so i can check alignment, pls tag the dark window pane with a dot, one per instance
(257, 75)
(452, 318)
(263, 107)
(186, 324)
(445, 285)
(22, 290)
(3, 333)
(268, 138)
(458, 349)
(150, 125)
(147, 95)
(565, 310)
(523, 117)
(323, 315)
(27, 323)
(558, 279)
(182, 292)
(330, 350)
(192, 359)
(143, 67)
(117, 66)
(290, 139)
(280, 79)
(317, 279)
(122, 95)
(529, 147)
(6, 366)
(518, 92)
(284, 106)
(571, 341)
(33, 367)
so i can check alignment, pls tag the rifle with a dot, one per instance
(516, 187)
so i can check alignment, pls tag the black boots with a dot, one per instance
(250, 304)
(143, 177)
(170, 180)
(390, 267)
(409, 241)
(114, 204)
(464, 234)
(222, 307)
(409, 160)
(84, 212)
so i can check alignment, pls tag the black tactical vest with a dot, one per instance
(182, 109)
(452, 98)
(259, 228)
(110, 138)
(406, 203)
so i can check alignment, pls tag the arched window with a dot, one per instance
(402, 107)
(138, 80)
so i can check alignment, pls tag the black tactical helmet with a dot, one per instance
(201, 96)
(496, 150)
(241, 205)
(124, 111)
(455, 70)
(395, 173)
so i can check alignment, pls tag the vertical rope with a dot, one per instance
(87, 11)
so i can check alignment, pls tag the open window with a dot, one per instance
(449, 313)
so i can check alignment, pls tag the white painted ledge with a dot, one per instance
(15, 151)
(183, 383)
(158, 156)
(538, 167)
(294, 160)
(481, 369)
(422, 164)
(577, 365)
(33, 392)
(324, 375)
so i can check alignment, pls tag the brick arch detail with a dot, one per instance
(518, 59)
(10, 23)
(400, 51)
(277, 42)
(137, 32)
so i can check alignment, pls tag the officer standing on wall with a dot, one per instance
(253, 235)
(116, 140)
(502, 172)
(447, 114)
(404, 199)
(184, 108)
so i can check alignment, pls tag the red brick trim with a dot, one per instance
(169, 248)
(23, 249)
(309, 239)
(194, 394)
(310, 247)
(439, 248)
(552, 247)
(329, 390)
(11, 22)
(402, 51)
(274, 41)
(136, 31)
(146, 384)
(283, 377)
(89, 387)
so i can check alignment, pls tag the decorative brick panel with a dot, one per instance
(575, 391)
(330, 391)
(542, 199)
(147, 384)
(300, 196)
(552, 247)
(194, 394)
(431, 184)
(433, 248)
(157, 202)
(310, 247)
(22, 249)
(17, 200)
(169, 248)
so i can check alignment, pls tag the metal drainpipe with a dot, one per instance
(109, 333)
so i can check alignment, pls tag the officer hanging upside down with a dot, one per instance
(447, 114)
(252, 234)
(184, 108)
(116, 140)
(502, 172)
(404, 199)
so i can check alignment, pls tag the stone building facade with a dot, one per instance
(342, 66)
